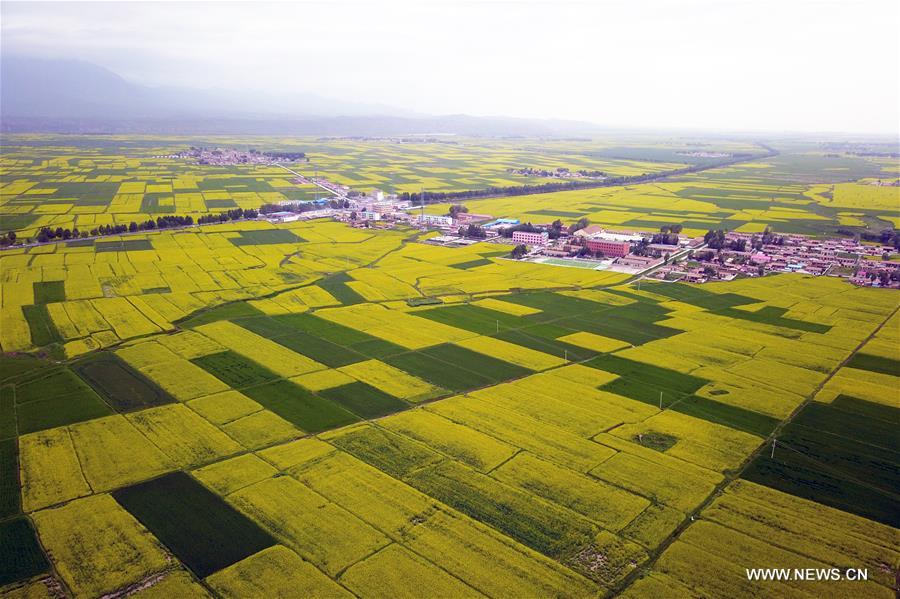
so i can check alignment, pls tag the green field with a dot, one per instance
(122, 387)
(204, 532)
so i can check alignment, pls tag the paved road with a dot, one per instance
(325, 187)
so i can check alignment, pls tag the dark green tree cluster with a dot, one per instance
(518, 252)
(456, 209)
(887, 237)
(668, 235)
(472, 232)
(236, 214)
(641, 248)
(767, 238)
(46, 234)
(715, 239)
(555, 229)
(580, 224)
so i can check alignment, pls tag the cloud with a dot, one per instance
(815, 65)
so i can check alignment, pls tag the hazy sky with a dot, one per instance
(799, 65)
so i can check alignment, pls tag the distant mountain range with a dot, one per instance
(71, 96)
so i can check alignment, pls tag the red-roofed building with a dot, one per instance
(615, 249)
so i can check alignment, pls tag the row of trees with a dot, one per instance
(429, 197)
(46, 234)
(888, 237)
(236, 214)
(716, 240)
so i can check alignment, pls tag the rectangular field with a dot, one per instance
(203, 531)
(123, 387)
(299, 406)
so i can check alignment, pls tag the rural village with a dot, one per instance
(664, 255)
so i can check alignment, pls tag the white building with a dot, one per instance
(526, 238)
(435, 220)
(368, 215)
(621, 237)
(310, 214)
(281, 217)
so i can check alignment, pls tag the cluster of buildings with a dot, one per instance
(595, 247)
(705, 154)
(231, 156)
(876, 273)
(558, 173)
(680, 258)
(287, 216)
(862, 264)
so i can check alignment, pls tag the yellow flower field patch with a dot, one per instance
(595, 342)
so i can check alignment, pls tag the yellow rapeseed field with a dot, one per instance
(510, 352)
(97, 546)
(392, 381)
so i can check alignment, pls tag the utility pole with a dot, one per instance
(566, 355)
(498, 325)
(774, 441)
(660, 400)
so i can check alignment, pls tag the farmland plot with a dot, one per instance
(252, 408)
